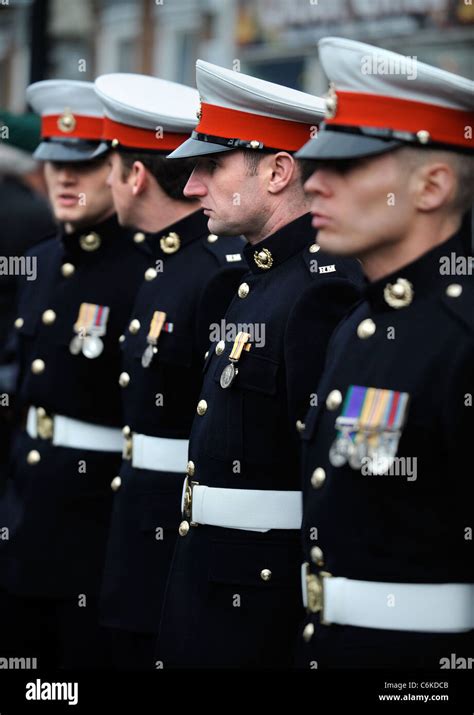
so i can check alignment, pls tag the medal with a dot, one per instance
(89, 327)
(75, 346)
(147, 356)
(157, 325)
(369, 428)
(92, 346)
(231, 370)
(228, 375)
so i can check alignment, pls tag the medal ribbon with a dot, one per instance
(239, 345)
(156, 326)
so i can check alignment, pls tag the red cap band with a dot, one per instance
(137, 138)
(445, 125)
(68, 124)
(233, 124)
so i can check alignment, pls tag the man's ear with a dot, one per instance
(282, 168)
(138, 178)
(436, 184)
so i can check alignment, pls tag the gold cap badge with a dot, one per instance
(67, 122)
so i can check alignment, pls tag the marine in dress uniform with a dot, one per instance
(232, 598)
(190, 281)
(25, 219)
(56, 507)
(387, 515)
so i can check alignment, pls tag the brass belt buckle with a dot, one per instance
(127, 451)
(44, 424)
(188, 500)
(315, 593)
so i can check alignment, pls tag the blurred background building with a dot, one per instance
(273, 39)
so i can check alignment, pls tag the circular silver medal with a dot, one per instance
(75, 346)
(147, 356)
(92, 347)
(228, 375)
(341, 450)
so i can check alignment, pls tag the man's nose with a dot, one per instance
(195, 187)
(318, 182)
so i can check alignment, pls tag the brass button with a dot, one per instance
(37, 366)
(183, 528)
(134, 326)
(308, 632)
(121, 338)
(318, 478)
(206, 354)
(190, 468)
(115, 484)
(263, 259)
(45, 424)
(33, 457)
(220, 347)
(317, 556)
(300, 426)
(90, 242)
(124, 379)
(265, 574)
(139, 237)
(171, 243)
(454, 290)
(366, 328)
(48, 317)
(201, 407)
(114, 143)
(67, 269)
(126, 431)
(150, 274)
(314, 248)
(212, 238)
(19, 323)
(244, 290)
(254, 144)
(333, 400)
(423, 136)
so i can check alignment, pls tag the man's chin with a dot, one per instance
(220, 228)
(333, 242)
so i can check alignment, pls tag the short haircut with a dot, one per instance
(171, 174)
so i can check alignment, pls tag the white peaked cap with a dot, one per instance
(145, 112)
(240, 111)
(71, 119)
(380, 100)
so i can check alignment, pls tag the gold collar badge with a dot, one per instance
(263, 259)
(171, 243)
(399, 294)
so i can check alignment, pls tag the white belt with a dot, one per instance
(247, 509)
(67, 432)
(159, 453)
(427, 607)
